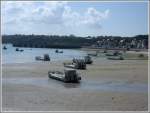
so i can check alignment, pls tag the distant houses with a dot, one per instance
(122, 43)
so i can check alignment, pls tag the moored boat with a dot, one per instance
(76, 64)
(68, 76)
(88, 60)
(57, 51)
(116, 58)
(116, 53)
(44, 58)
(4, 47)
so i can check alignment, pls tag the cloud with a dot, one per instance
(91, 17)
(33, 14)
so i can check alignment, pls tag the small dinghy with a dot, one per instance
(68, 76)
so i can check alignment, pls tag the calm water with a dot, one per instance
(28, 55)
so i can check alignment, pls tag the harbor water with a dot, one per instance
(10, 55)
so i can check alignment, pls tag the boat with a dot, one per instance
(60, 51)
(116, 53)
(76, 64)
(38, 58)
(21, 50)
(105, 51)
(116, 58)
(44, 58)
(17, 49)
(57, 51)
(88, 60)
(68, 76)
(93, 54)
(4, 47)
(109, 54)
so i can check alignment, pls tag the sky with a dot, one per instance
(77, 18)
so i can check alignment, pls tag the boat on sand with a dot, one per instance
(68, 76)
(76, 64)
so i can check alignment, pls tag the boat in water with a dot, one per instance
(57, 51)
(21, 50)
(44, 58)
(4, 47)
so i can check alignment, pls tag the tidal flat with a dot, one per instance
(106, 85)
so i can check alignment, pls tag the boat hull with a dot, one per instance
(61, 77)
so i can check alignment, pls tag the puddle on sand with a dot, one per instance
(84, 85)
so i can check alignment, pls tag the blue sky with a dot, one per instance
(78, 18)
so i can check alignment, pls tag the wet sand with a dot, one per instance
(106, 85)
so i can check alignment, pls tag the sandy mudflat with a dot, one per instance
(105, 86)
